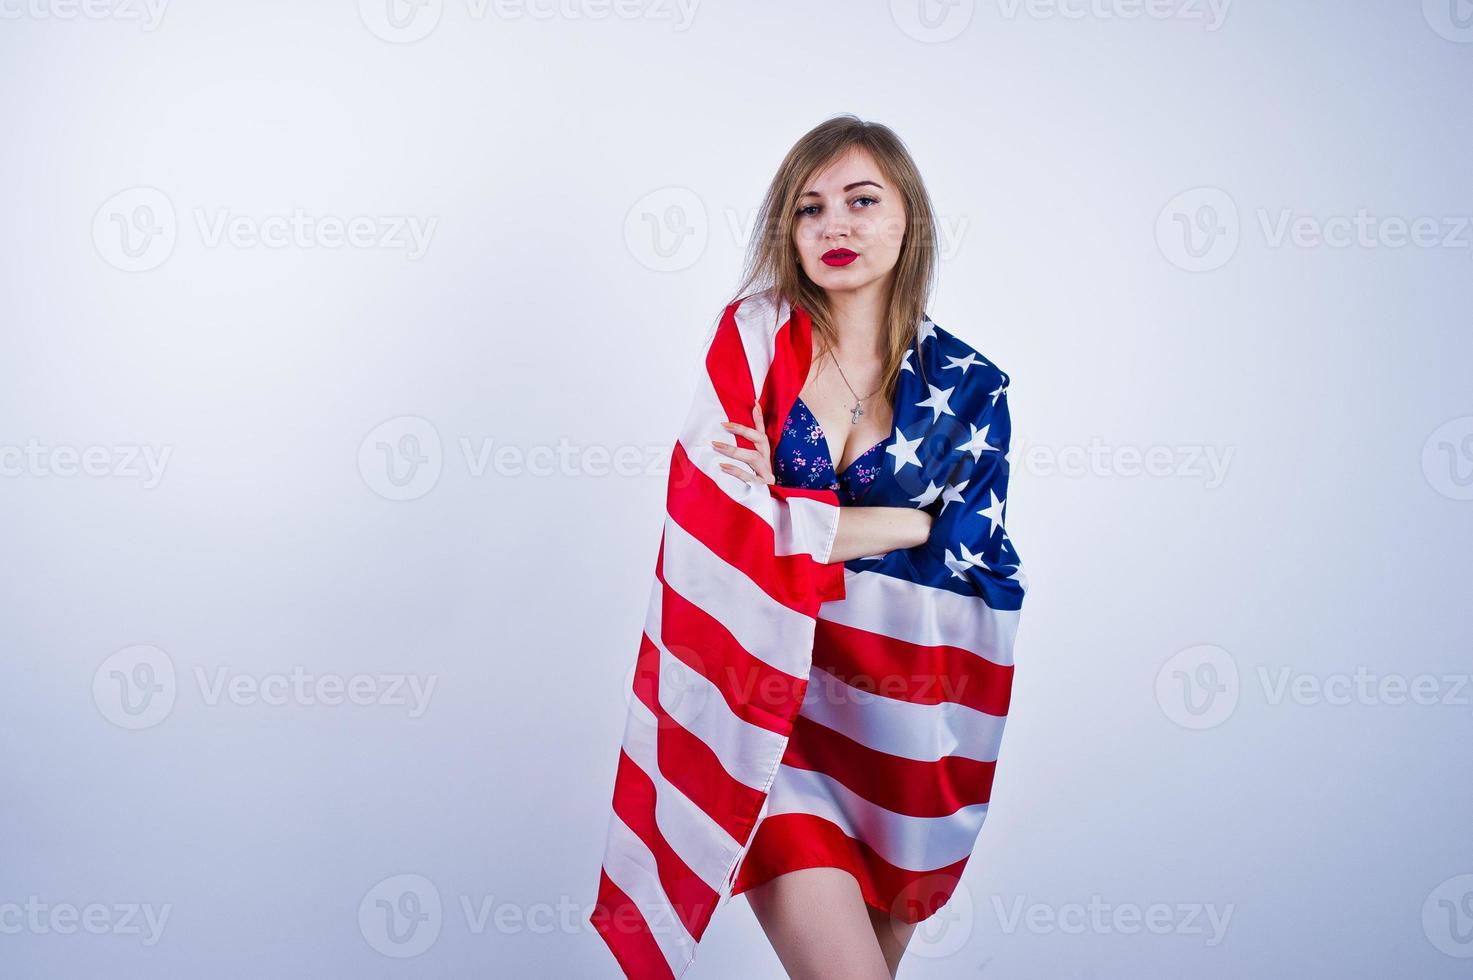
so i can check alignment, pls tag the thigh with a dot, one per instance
(892, 935)
(815, 919)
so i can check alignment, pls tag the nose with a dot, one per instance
(836, 228)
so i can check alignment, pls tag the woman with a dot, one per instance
(887, 590)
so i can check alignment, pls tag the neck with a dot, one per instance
(859, 319)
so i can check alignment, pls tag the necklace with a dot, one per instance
(857, 410)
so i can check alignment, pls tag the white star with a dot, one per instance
(968, 560)
(904, 450)
(978, 444)
(951, 495)
(905, 363)
(964, 362)
(958, 567)
(993, 513)
(925, 330)
(974, 559)
(937, 402)
(997, 391)
(929, 494)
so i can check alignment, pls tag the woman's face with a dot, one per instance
(850, 224)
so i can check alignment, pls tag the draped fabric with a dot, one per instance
(853, 709)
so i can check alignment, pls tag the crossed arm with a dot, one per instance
(863, 531)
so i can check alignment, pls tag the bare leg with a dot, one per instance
(892, 935)
(815, 920)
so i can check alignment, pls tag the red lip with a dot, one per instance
(838, 256)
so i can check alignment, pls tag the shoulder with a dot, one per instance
(766, 306)
(951, 361)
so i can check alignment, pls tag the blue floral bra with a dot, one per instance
(802, 459)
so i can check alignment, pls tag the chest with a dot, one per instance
(831, 403)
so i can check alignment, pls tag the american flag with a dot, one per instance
(854, 708)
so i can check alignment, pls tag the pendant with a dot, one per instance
(855, 413)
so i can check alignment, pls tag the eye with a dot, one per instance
(866, 197)
(805, 209)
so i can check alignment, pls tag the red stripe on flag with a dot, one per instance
(913, 672)
(623, 927)
(754, 690)
(634, 801)
(792, 841)
(745, 541)
(908, 786)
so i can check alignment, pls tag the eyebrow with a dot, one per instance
(847, 188)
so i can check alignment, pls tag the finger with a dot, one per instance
(738, 471)
(742, 430)
(735, 452)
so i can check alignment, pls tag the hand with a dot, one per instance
(759, 458)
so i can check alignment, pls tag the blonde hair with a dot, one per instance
(772, 258)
